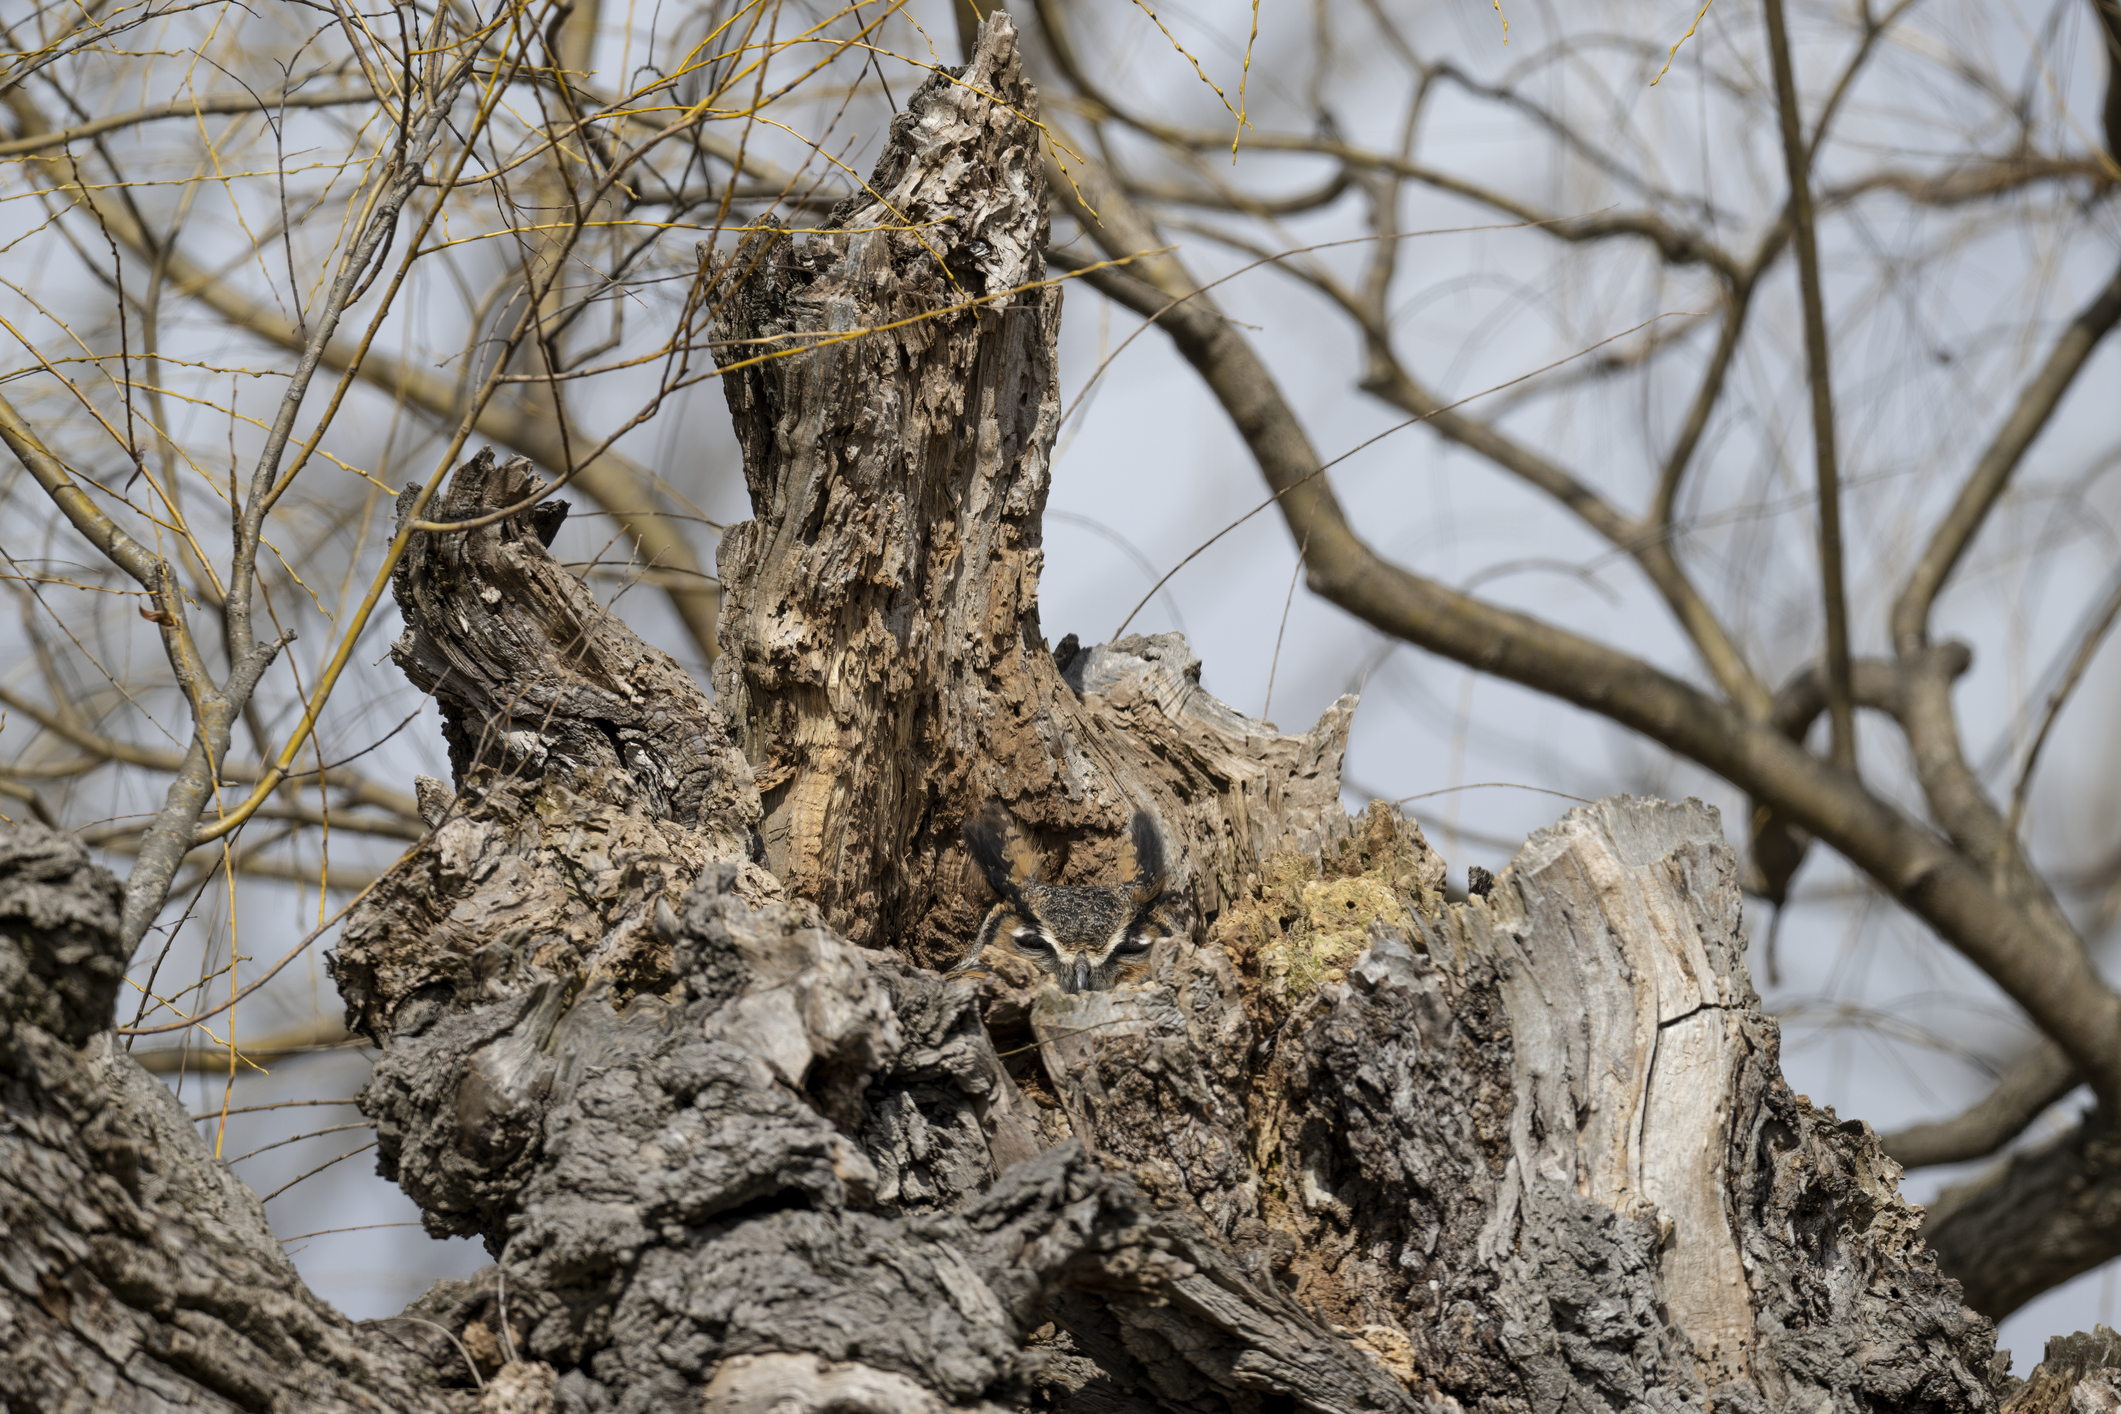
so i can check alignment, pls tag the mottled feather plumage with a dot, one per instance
(1087, 939)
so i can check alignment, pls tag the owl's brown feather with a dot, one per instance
(1004, 850)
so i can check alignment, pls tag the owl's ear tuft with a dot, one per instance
(1148, 871)
(1005, 854)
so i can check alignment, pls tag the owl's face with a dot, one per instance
(1086, 939)
(1089, 940)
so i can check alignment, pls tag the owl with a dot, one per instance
(1086, 939)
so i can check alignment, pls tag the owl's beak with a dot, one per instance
(1079, 980)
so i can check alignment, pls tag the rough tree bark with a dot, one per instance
(881, 649)
(136, 1272)
(736, 1145)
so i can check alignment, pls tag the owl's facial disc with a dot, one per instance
(1127, 942)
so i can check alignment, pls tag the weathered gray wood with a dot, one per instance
(699, 1196)
(1452, 1152)
(1349, 1149)
(2077, 1374)
(1534, 1150)
(136, 1272)
(1527, 1153)
(595, 781)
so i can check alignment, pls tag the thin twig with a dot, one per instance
(2087, 648)
(476, 1382)
(275, 1105)
(1841, 711)
(270, 973)
(1266, 709)
(2029, 416)
(298, 1138)
(317, 1170)
(1322, 469)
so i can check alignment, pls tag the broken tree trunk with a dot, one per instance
(894, 387)
(736, 1145)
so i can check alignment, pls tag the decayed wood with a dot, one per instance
(1534, 1151)
(2077, 1374)
(883, 658)
(1486, 1176)
(709, 1187)
(594, 780)
(632, 1103)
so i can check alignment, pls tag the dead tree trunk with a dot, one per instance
(736, 1146)
(881, 650)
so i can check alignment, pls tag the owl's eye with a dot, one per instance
(1028, 940)
(1135, 946)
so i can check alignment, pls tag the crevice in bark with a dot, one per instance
(136, 1272)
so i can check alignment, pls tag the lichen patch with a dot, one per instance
(1305, 917)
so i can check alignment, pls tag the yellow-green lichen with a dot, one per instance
(1307, 917)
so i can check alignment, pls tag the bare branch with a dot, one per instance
(625, 489)
(402, 177)
(2042, 1216)
(1796, 156)
(169, 838)
(2024, 1092)
(116, 836)
(1738, 302)
(181, 108)
(2109, 13)
(214, 709)
(1674, 245)
(1325, 194)
(2036, 403)
(2095, 631)
(294, 1041)
(1876, 683)
(86, 516)
(1959, 803)
(1981, 180)
(359, 789)
(1118, 227)
(2044, 971)
(16, 790)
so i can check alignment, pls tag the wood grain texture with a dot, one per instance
(883, 659)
